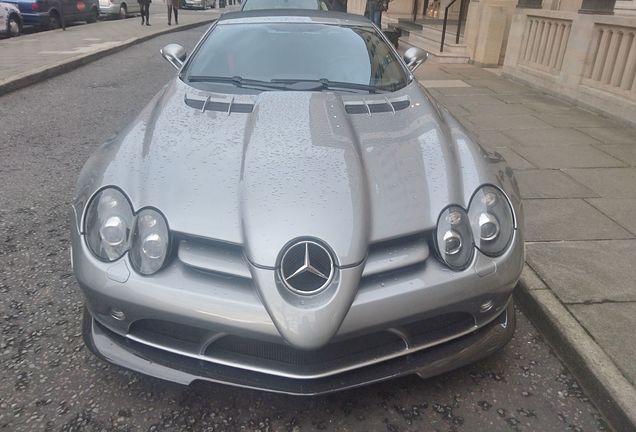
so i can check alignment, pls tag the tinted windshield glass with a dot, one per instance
(299, 51)
(282, 4)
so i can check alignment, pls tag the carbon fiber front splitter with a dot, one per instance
(185, 370)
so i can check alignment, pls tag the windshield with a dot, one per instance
(283, 4)
(289, 52)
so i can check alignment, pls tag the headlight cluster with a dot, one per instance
(488, 225)
(490, 215)
(149, 246)
(112, 229)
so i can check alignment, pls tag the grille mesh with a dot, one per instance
(332, 353)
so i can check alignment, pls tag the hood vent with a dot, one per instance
(215, 105)
(374, 107)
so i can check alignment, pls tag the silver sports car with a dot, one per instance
(294, 213)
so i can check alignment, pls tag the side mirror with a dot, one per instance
(415, 57)
(175, 54)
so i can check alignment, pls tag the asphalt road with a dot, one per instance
(48, 379)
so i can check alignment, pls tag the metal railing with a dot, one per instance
(462, 12)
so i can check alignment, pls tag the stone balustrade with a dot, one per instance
(611, 65)
(589, 58)
(544, 43)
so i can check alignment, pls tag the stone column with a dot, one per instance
(529, 4)
(605, 7)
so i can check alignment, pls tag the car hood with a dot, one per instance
(300, 164)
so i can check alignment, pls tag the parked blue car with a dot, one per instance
(49, 13)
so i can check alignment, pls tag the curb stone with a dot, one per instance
(611, 392)
(40, 74)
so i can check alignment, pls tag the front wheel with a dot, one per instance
(13, 26)
(92, 16)
(123, 12)
(54, 21)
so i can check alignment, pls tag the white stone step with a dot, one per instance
(449, 45)
(435, 35)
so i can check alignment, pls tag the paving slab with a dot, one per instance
(500, 86)
(447, 83)
(473, 73)
(568, 219)
(612, 325)
(550, 184)
(493, 139)
(480, 99)
(624, 152)
(607, 182)
(611, 135)
(549, 137)
(623, 211)
(506, 122)
(577, 156)
(576, 118)
(537, 102)
(586, 271)
(514, 160)
(436, 72)
(464, 91)
(500, 108)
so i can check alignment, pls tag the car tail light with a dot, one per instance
(35, 7)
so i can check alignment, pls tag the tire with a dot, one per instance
(92, 16)
(54, 21)
(123, 12)
(13, 26)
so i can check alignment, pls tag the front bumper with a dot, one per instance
(186, 370)
(192, 5)
(184, 324)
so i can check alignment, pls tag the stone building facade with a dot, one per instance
(584, 50)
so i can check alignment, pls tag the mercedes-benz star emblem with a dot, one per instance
(306, 267)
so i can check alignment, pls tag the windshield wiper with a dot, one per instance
(237, 81)
(286, 83)
(325, 84)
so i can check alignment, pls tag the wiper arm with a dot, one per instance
(326, 84)
(237, 81)
(286, 84)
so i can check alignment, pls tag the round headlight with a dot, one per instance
(107, 224)
(150, 242)
(491, 220)
(454, 238)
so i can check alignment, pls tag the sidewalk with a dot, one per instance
(31, 58)
(577, 175)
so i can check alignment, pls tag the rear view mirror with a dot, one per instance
(175, 54)
(415, 57)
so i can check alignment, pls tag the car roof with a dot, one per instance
(293, 16)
